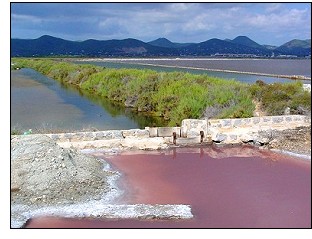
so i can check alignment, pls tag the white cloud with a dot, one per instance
(201, 22)
(282, 21)
(25, 18)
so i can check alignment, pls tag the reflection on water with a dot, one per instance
(40, 103)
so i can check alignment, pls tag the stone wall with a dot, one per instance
(233, 131)
(270, 121)
(192, 131)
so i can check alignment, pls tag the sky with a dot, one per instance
(265, 23)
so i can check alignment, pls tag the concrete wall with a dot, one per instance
(192, 131)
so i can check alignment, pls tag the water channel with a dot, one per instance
(45, 105)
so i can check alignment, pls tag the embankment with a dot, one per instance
(268, 131)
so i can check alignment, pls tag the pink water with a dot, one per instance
(228, 187)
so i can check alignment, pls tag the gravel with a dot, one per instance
(294, 141)
(44, 175)
(48, 180)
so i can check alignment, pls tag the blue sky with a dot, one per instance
(266, 23)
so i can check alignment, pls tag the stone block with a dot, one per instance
(300, 118)
(226, 123)
(194, 123)
(214, 123)
(266, 119)
(137, 133)
(219, 137)
(188, 141)
(129, 133)
(193, 127)
(109, 134)
(277, 119)
(237, 122)
(142, 133)
(116, 134)
(152, 131)
(246, 122)
(164, 131)
(256, 120)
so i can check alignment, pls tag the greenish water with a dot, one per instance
(43, 104)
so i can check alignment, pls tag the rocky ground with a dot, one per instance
(296, 141)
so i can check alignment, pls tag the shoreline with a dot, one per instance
(125, 60)
(304, 156)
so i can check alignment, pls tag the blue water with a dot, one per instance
(246, 78)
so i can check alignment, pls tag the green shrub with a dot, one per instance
(276, 97)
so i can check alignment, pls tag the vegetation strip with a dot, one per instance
(175, 95)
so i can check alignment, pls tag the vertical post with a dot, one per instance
(201, 136)
(174, 135)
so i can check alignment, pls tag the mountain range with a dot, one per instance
(239, 46)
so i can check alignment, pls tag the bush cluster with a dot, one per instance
(277, 97)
